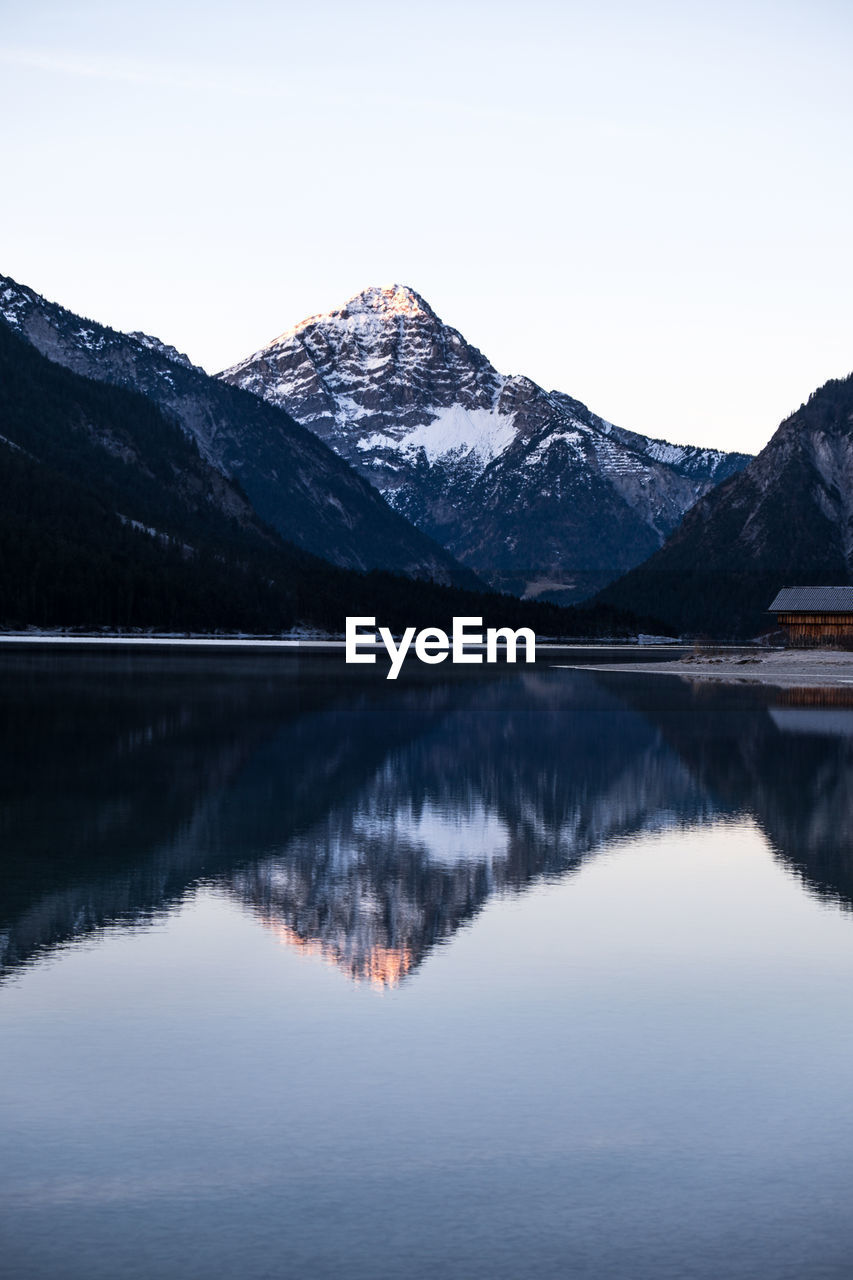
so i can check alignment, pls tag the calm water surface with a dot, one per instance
(306, 974)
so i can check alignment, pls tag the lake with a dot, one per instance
(518, 972)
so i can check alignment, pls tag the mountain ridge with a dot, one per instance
(786, 519)
(526, 486)
(112, 518)
(293, 481)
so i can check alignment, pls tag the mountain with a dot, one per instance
(529, 488)
(787, 519)
(292, 480)
(112, 518)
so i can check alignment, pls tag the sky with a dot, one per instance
(645, 205)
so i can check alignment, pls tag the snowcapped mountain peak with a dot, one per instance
(387, 357)
(527, 486)
(390, 300)
(368, 312)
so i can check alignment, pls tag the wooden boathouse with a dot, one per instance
(815, 615)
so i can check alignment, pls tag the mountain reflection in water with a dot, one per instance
(367, 822)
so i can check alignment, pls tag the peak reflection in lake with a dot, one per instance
(365, 821)
(478, 975)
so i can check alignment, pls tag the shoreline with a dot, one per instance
(10, 641)
(783, 668)
(735, 664)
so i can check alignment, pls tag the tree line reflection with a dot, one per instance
(364, 822)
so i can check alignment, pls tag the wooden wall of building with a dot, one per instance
(807, 629)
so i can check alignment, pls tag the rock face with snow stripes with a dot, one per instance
(292, 480)
(529, 488)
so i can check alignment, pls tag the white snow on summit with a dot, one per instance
(367, 311)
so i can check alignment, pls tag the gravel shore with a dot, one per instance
(786, 668)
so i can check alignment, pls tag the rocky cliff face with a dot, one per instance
(527, 487)
(787, 519)
(293, 481)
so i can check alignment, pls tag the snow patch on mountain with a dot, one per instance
(573, 440)
(454, 432)
(16, 448)
(13, 301)
(164, 349)
(88, 338)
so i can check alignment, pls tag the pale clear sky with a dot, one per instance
(646, 205)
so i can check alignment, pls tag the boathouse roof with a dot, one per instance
(813, 600)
